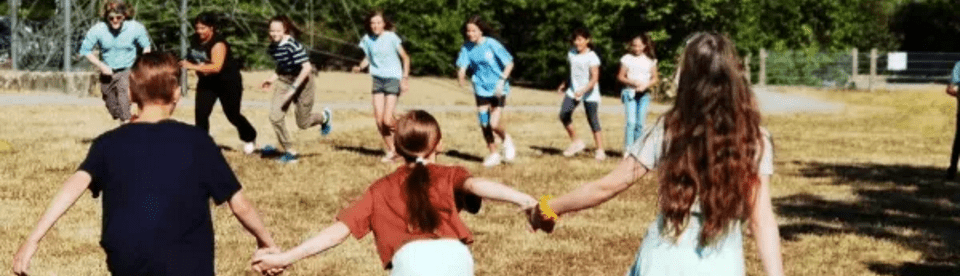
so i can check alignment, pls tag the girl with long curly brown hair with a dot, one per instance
(714, 162)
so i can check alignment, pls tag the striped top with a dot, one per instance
(289, 55)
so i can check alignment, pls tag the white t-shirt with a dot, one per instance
(638, 68)
(580, 65)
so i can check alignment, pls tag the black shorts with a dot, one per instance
(492, 101)
(389, 86)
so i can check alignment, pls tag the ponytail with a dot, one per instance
(423, 216)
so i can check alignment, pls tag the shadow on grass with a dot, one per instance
(463, 156)
(559, 152)
(890, 200)
(361, 150)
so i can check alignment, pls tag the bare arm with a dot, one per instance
(305, 70)
(462, 76)
(952, 90)
(622, 76)
(506, 71)
(331, 236)
(563, 85)
(363, 65)
(406, 61)
(218, 56)
(104, 69)
(497, 191)
(654, 76)
(68, 195)
(594, 78)
(763, 225)
(269, 81)
(600, 191)
(247, 215)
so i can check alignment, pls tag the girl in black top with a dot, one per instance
(219, 78)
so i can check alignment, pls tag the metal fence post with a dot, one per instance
(183, 45)
(746, 67)
(14, 38)
(873, 68)
(854, 53)
(763, 67)
(67, 45)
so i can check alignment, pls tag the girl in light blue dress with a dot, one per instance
(714, 163)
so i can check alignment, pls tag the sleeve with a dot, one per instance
(501, 52)
(364, 46)
(95, 165)
(623, 60)
(357, 216)
(594, 59)
(765, 167)
(299, 53)
(89, 41)
(216, 175)
(648, 149)
(395, 40)
(956, 74)
(462, 60)
(143, 38)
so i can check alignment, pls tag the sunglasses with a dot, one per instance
(115, 18)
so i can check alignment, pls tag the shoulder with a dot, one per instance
(491, 41)
(291, 43)
(625, 58)
(593, 55)
(136, 24)
(391, 35)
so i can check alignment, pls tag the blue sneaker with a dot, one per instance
(268, 150)
(288, 158)
(325, 127)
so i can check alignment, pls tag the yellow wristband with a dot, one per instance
(545, 208)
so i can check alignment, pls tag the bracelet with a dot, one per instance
(545, 208)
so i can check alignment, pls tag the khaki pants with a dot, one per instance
(115, 90)
(302, 98)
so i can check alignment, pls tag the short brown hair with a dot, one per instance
(117, 6)
(153, 78)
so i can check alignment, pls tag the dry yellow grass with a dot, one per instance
(857, 192)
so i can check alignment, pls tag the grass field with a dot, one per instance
(857, 192)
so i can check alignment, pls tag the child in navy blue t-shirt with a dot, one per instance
(157, 177)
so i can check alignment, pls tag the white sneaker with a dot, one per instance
(492, 160)
(600, 156)
(249, 147)
(574, 148)
(509, 150)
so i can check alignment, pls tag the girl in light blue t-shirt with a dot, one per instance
(390, 68)
(490, 64)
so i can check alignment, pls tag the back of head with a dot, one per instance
(713, 137)
(154, 79)
(417, 136)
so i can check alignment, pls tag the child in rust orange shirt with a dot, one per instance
(413, 212)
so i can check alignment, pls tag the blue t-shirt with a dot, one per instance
(117, 51)
(487, 61)
(157, 181)
(383, 53)
(289, 55)
(955, 77)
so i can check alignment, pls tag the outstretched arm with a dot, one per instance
(331, 236)
(763, 225)
(68, 195)
(496, 191)
(600, 191)
(247, 215)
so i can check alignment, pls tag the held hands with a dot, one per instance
(952, 91)
(356, 69)
(21, 261)
(269, 261)
(538, 219)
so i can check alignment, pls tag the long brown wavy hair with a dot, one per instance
(712, 141)
(418, 134)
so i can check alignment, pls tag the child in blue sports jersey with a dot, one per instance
(491, 65)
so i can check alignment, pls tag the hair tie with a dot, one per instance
(422, 161)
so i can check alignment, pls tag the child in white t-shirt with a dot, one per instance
(584, 87)
(638, 72)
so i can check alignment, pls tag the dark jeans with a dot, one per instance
(230, 94)
(569, 104)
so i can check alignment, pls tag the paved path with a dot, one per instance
(770, 103)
